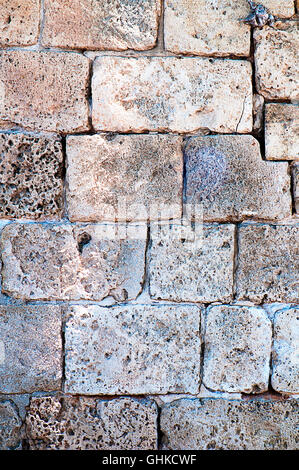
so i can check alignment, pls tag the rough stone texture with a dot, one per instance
(61, 262)
(206, 27)
(30, 176)
(115, 25)
(137, 349)
(121, 179)
(285, 376)
(295, 174)
(171, 94)
(44, 90)
(19, 22)
(196, 271)
(282, 132)
(258, 113)
(91, 424)
(230, 424)
(228, 180)
(237, 349)
(30, 349)
(10, 426)
(268, 263)
(277, 61)
(280, 8)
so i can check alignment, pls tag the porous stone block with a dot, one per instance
(268, 263)
(237, 349)
(279, 8)
(30, 176)
(207, 424)
(197, 271)
(65, 262)
(295, 176)
(83, 423)
(171, 94)
(10, 425)
(228, 180)
(44, 90)
(206, 28)
(30, 348)
(19, 22)
(114, 25)
(137, 349)
(123, 178)
(282, 132)
(277, 61)
(285, 375)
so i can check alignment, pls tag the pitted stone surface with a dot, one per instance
(65, 262)
(282, 132)
(268, 263)
(30, 348)
(207, 424)
(137, 349)
(280, 9)
(44, 90)
(197, 271)
(30, 176)
(171, 94)
(91, 424)
(114, 25)
(124, 177)
(19, 22)
(10, 425)
(285, 375)
(228, 180)
(237, 349)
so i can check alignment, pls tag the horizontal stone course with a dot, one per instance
(19, 22)
(282, 132)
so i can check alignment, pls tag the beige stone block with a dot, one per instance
(280, 8)
(10, 425)
(19, 22)
(282, 132)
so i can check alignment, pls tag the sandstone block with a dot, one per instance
(115, 25)
(62, 262)
(171, 94)
(237, 349)
(268, 263)
(44, 90)
(19, 22)
(137, 349)
(295, 174)
(91, 424)
(123, 178)
(285, 375)
(207, 424)
(30, 176)
(10, 426)
(228, 180)
(282, 132)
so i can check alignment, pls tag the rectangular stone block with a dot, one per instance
(209, 424)
(82, 423)
(30, 348)
(282, 132)
(171, 94)
(124, 178)
(268, 263)
(31, 170)
(10, 425)
(19, 22)
(137, 349)
(65, 262)
(115, 25)
(44, 90)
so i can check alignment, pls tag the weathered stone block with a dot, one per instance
(282, 131)
(30, 176)
(61, 262)
(137, 349)
(10, 425)
(280, 9)
(285, 376)
(91, 424)
(207, 424)
(44, 90)
(123, 178)
(115, 25)
(237, 349)
(19, 22)
(268, 263)
(197, 271)
(277, 61)
(295, 176)
(171, 94)
(228, 180)
(30, 349)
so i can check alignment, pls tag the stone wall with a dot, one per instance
(185, 336)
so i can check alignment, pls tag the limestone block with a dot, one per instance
(171, 94)
(10, 425)
(19, 22)
(282, 132)
(280, 8)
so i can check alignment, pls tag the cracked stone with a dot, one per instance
(281, 132)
